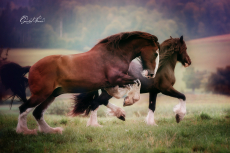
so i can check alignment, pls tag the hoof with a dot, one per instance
(52, 130)
(28, 132)
(177, 118)
(57, 130)
(121, 118)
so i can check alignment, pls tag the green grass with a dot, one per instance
(206, 128)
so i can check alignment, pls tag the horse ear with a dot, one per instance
(181, 39)
(170, 37)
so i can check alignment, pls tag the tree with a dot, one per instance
(219, 82)
(193, 79)
(3, 60)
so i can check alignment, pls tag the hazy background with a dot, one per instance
(76, 26)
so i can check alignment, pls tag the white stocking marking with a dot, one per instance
(133, 94)
(93, 118)
(157, 63)
(22, 123)
(150, 118)
(180, 109)
(44, 127)
(115, 111)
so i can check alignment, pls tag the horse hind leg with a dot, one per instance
(39, 111)
(93, 119)
(25, 109)
(95, 104)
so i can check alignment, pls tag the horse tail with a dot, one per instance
(13, 77)
(83, 103)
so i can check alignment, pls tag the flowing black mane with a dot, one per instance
(167, 48)
(113, 41)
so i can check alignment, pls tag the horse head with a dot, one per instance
(150, 59)
(183, 56)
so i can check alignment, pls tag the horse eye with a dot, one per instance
(156, 54)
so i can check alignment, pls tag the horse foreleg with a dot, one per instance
(116, 111)
(118, 92)
(133, 93)
(179, 109)
(133, 87)
(152, 105)
(39, 111)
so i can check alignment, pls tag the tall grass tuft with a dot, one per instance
(205, 116)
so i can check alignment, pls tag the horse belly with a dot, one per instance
(79, 85)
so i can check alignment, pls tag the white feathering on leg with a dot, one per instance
(93, 119)
(150, 118)
(22, 123)
(180, 109)
(115, 111)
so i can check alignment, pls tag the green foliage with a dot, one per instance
(63, 121)
(192, 78)
(59, 108)
(205, 116)
(78, 24)
(219, 82)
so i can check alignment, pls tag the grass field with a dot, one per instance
(205, 128)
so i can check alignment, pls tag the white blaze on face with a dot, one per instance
(145, 72)
(157, 63)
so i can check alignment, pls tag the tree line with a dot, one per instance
(218, 82)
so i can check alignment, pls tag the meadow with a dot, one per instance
(205, 128)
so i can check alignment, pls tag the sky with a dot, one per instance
(73, 26)
(80, 24)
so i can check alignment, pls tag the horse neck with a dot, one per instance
(171, 62)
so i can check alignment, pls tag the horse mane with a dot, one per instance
(167, 48)
(114, 41)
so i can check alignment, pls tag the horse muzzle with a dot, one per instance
(187, 62)
(147, 74)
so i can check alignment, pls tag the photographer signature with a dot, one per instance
(24, 19)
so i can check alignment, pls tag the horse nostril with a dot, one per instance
(151, 75)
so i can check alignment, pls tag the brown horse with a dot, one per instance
(171, 51)
(105, 65)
